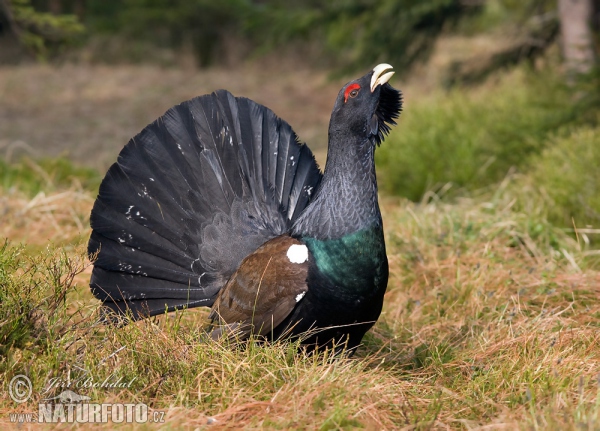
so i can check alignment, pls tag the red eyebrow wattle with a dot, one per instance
(349, 89)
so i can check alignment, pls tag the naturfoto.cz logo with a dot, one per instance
(70, 407)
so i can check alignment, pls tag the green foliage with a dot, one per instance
(344, 34)
(501, 13)
(353, 33)
(203, 24)
(102, 16)
(33, 291)
(471, 139)
(567, 172)
(32, 177)
(356, 33)
(44, 34)
(586, 104)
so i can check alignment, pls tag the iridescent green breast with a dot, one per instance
(355, 263)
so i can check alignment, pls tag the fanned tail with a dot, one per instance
(190, 196)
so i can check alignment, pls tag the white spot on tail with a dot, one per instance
(300, 296)
(297, 253)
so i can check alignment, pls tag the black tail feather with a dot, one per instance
(192, 195)
(143, 308)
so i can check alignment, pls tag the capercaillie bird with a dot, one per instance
(218, 204)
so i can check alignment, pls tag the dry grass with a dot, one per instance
(60, 217)
(503, 325)
(485, 326)
(90, 112)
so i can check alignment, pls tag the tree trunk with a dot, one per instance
(55, 7)
(577, 39)
(79, 9)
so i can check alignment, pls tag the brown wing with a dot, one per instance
(264, 290)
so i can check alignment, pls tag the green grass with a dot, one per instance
(471, 139)
(527, 129)
(490, 319)
(567, 173)
(48, 174)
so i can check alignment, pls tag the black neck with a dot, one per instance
(346, 200)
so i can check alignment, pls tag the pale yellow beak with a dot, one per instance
(380, 78)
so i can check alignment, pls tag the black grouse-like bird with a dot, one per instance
(216, 203)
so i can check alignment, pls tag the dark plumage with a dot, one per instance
(217, 202)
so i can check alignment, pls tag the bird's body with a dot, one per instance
(217, 204)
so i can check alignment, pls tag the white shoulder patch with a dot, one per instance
(297, 253)
(300, 296)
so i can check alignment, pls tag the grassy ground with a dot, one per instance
(491, 319)
(490, 322)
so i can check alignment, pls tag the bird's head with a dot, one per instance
(367, 106)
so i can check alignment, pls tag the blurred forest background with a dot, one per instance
(498, 93)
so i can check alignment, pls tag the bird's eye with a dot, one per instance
(351, 91)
